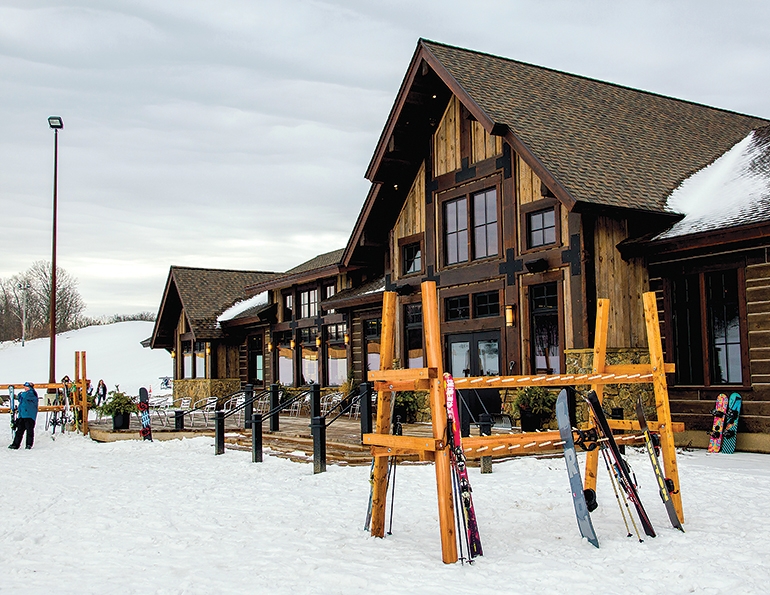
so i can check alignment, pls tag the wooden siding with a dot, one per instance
(483, 144)
(446, 140)
(758, 315)
(527, 183)
(623, 282)
(411, 220)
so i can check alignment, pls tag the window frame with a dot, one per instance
(312, 307)
(530, 208)
(467, 193)
(403, 243)
(705, 328)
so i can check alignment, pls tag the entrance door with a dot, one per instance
(475, 354)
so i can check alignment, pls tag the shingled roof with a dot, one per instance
(203, 294)
(318, 266)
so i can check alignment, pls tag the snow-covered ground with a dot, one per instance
(113, 353)
(170, 517)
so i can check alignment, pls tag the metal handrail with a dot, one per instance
(285, 404)
(353, 397)
(242, 406)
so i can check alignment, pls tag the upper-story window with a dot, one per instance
(329, 291)
(477, 212)
(412, 258)
(288, 306)
(541, 228)
(308, 303)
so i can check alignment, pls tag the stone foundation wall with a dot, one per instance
(580, 361)
(203, 388)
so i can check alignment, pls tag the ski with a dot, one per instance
(12, 402)
(621, 467)
(461, 483)
(573, 470)
(665, 486)
(730, 434)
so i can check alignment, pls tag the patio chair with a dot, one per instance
(328, 402)
(204, 408)
(234, 403)
(159, 407)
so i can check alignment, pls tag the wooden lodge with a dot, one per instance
(527, 195)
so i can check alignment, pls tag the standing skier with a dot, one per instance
(27, 416)
(101, 393)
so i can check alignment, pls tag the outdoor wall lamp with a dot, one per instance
(269, 347)
(347, 339)
(537, 266)
(173, 354)
(510, 316)
(318, 341)
(293, 344)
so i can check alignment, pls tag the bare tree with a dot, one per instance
(36, 282)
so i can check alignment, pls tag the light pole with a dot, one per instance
(56, 124)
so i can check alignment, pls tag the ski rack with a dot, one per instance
(387, 381)
(79, 395)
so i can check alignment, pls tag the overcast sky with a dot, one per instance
(235, 134)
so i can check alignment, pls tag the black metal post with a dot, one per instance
(256, 438)
(485, 429)
(315, 400)
(219, 432)
(248, 406)
(364, 389)
(179, 420)
(275, 424)
(318, 430)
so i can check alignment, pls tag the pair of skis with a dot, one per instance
(617, 467)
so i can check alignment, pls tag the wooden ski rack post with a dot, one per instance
(387, 381)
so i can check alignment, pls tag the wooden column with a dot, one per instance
(599, 363)
(432, 334)
(660, 387)
(84, 393)
(380, 471)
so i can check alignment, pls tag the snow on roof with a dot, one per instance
(239, 307)
(733, 190)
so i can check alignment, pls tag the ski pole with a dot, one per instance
(392, 481)
(615, 489)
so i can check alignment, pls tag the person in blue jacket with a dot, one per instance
(25, 422)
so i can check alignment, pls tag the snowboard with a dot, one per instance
(573, 470)
(730, 433)
(621, 467)
(665, 486)
(12, 403)
(144, 409)
(461, 483)
(717, 428)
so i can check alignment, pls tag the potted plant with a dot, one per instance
(120, 407)
(536, 405)
(407, 405)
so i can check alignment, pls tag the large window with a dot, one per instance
(485, 224)
(413, 336)
(477, 212)
(486, 304)
(336, 355)
(309, 355)
(707, 333)
(308, 303)
(544, 328)
(372, 332)
(285, 359)
(288, 307)
(187, 360)
(457, 308)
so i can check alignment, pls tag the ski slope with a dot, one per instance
(113, 353)
(171, 518)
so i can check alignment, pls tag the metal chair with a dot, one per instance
(205, 408)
